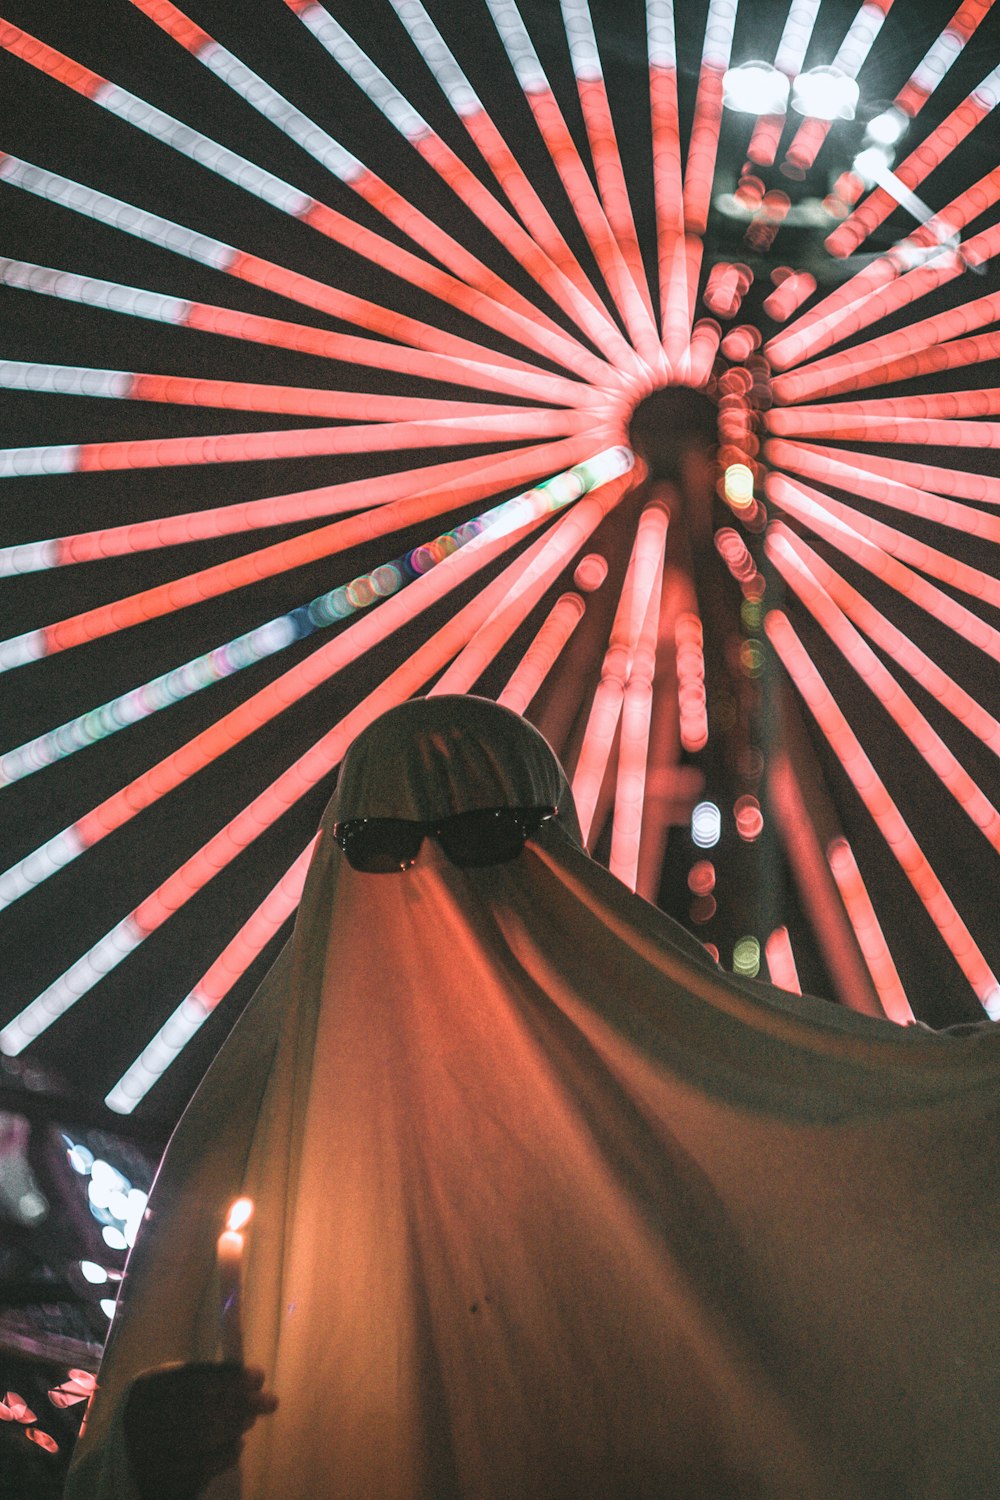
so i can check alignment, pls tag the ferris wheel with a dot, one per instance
(629, 366)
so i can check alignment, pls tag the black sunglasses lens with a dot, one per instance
(483, 838)
(381, 846)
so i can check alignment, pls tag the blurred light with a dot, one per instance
(752, 658)
(746, 957)
(80, 1159)
(711, 950)
(738, 485)
(108, 1306)
(93, 1273)
(590, 572)
(872, 163)
(702, 909)
(749, 818)
(755, 88)
(887, 128)
(706, 825)
(31, 1206)
(113, 1237)
(825, 94)
(701, 877)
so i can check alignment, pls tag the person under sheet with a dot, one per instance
(547, 1204)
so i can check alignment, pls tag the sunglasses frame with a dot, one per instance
(526, 820)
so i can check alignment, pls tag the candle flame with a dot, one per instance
(240, 1214)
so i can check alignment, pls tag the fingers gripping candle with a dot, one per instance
(229, 1254)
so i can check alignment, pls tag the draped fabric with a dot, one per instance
(547, 1205)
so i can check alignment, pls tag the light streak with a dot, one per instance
(576, 181)
(931, 152)
(190, 1015)
(852, 53)
(788, 60)
(465, 478)
(350, 348)
(860, 538)
(860, 426)
(221, 578)
(883, 810)
(876, 677)
(490, 143)
(543, 653)
(833, 468)
(438, 567)
(302, 442)
(344, 165)
(699, 170)
(667, 178)
(255, 269)
(563, 542)
(604, 150)
(982, 487)
(691, 698)
(633, 750)
(645, 566)
(781, 961)
(506, 312)
(940, 56)
(868, 931)
(898, 646)
(450, 167)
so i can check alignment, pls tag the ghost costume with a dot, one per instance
(548, 1207)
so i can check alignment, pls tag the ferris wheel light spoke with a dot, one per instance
(835, 524)
(882, 809)
(236, 395)
(492, 146)
(788, 59)
(661, 45)
(886, 287)
(603, 139)
(528, 585)
(968, 486)
(868, 931)
(543, 653)
(252, 268)
(248, 447)
(859, 426)
(644, 569)
(265, 562)
(323, 148)
(699, 171)
(439, 567)
(853, 51)
(900, 707)
(831, 467)
(903, 651)
(196, 1007)
(943, 52)
(781, 961)
(463, 478)
(633, 753)
(931, 152)
(203, 317)
(511, 234)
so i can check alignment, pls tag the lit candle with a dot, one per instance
(229, 1255)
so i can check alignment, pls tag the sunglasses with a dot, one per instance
(486, 836)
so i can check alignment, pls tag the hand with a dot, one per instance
(184, 1424)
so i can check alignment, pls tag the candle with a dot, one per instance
(229, 1258)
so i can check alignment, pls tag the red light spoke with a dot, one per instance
(699, 171)
(858, 426)
(852, 53)
(781, 961)
(969, 486)
(883, 810)
(931, 152)
(543, 653)
(886, 689)
(868, 931)
(931, 677)
(221, 578)
(835, 524)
